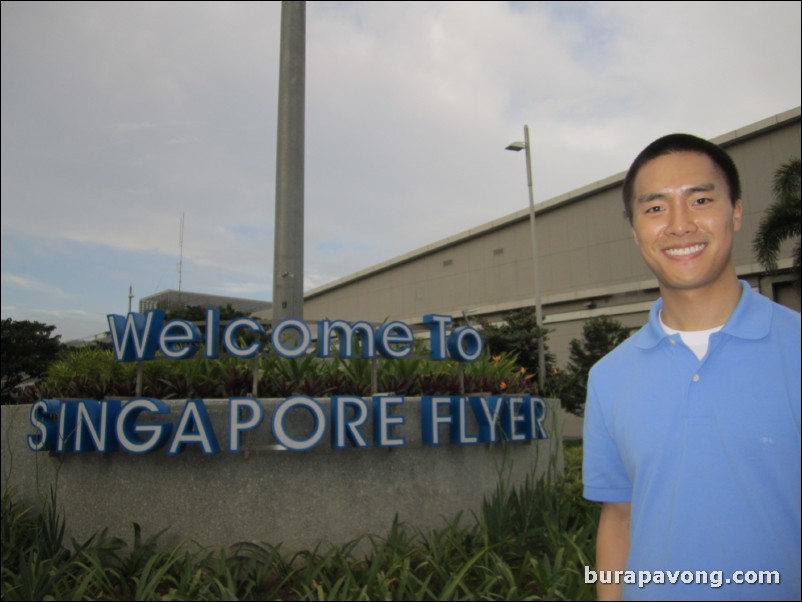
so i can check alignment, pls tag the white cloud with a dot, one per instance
(117, 118)
(32, 284)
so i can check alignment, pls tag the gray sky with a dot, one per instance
(119, 117)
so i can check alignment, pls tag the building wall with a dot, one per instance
(171, 300)
(589, 264)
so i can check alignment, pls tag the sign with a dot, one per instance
(143, 424)
(111, 425)
(138, 337)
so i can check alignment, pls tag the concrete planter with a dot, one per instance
(265, 495)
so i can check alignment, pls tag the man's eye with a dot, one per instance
(703, 201)
(654, 209)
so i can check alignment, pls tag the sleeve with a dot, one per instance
(604, 476)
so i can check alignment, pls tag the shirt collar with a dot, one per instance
(750, 320)
(752, 316)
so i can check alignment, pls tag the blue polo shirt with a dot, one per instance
(707, 451)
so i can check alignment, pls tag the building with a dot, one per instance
(589, 264)
(172, 300)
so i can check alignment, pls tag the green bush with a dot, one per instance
(93, 373)
(600, 335)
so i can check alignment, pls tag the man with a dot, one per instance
(692, 426)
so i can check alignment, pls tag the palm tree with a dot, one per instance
(782, 220)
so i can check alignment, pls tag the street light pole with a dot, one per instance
(541, 351)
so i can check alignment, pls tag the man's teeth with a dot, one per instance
(684, 250)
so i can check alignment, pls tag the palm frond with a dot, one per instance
(783, 219)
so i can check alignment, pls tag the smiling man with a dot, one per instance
(692, 426)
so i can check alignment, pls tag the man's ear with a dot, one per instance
(737, 215)
(634, 234)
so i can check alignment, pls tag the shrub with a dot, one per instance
(93, 373)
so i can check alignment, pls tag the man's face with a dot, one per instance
(683, 221)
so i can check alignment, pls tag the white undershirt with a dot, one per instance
(696, 340)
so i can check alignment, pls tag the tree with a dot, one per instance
(781, 221)
(28, 349)
(519, 335)
(600, 335)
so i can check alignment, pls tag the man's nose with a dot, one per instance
(681, 220)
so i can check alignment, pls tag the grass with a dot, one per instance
(528, 542)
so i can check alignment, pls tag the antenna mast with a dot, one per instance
(180, 257)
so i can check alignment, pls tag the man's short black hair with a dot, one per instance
(682, 143)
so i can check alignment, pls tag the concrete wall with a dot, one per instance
(572, 426)
(263, 495)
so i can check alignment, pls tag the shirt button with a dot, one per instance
(673, 342)
(695, 378)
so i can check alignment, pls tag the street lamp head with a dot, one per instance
(516, 146)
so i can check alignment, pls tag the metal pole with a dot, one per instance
(180, 260)
(541, 351)
(288, 259)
